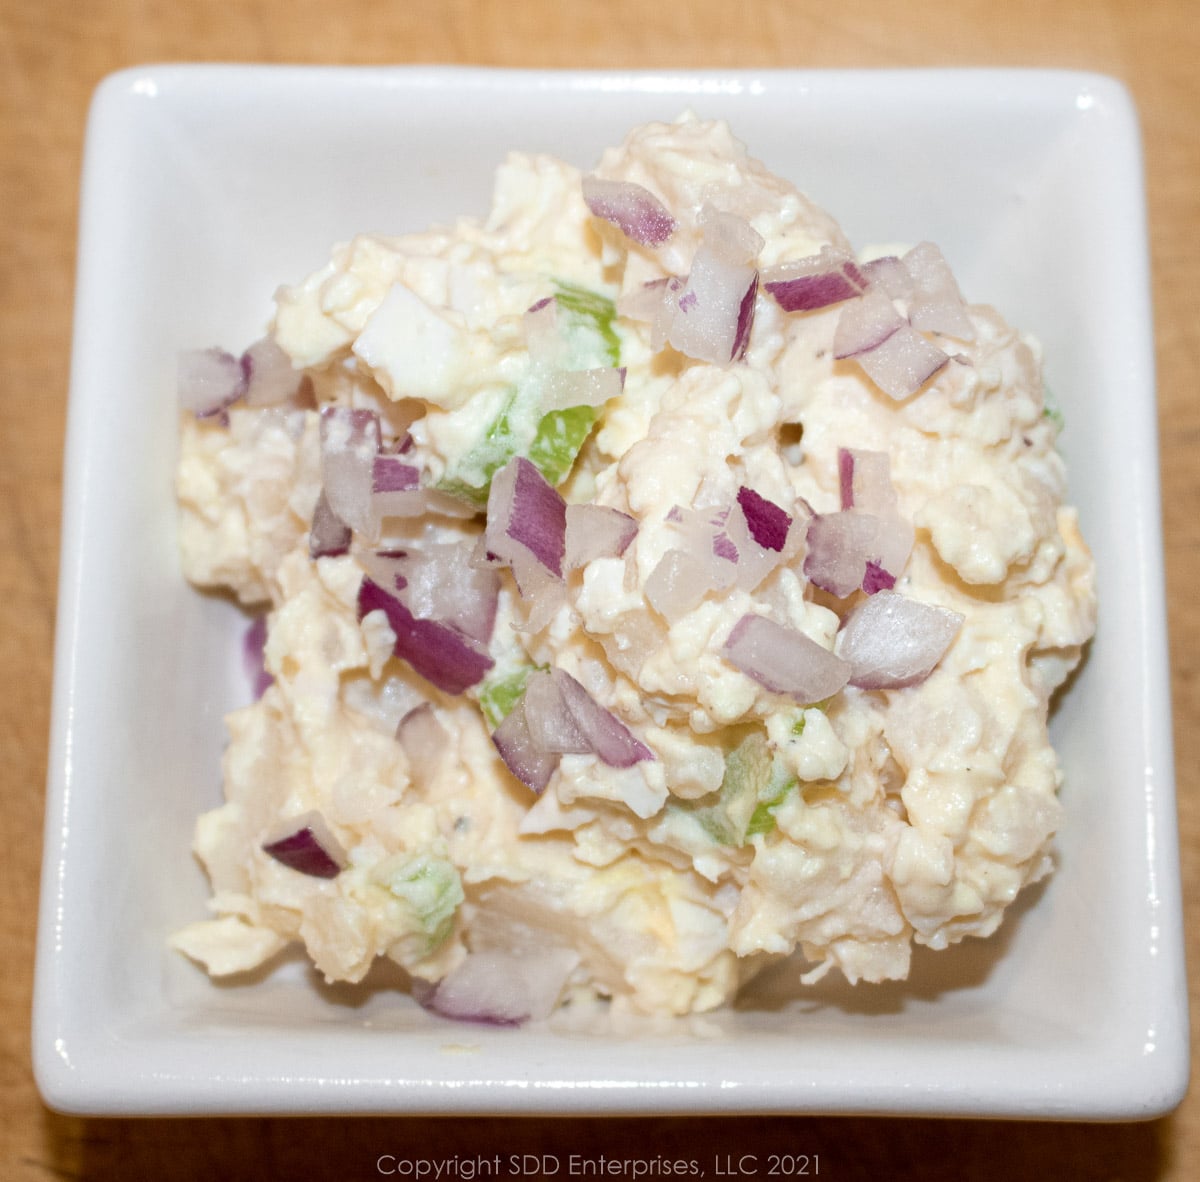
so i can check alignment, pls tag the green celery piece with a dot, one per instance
(762, 820)
(500, 694)
(554, 440)
(587, 319)
(431, 889)
(560, 435)
(753, 784)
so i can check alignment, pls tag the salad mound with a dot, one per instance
(649, 588)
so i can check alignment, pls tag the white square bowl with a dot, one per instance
(205, 187)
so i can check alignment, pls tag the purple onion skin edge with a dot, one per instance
(769, 524)
(846, 476)
(458, 664)
(425, 995)
(302, 852)
(877, 578)
(745, 321)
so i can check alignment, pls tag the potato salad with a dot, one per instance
(646, 587)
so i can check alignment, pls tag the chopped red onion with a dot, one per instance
(784, 660)
(392, 474)
(349, 445)
(732, 238)
(442, 583)
(891, 642)
(439, 653)
(759, 536)
(725, 547)
(936, 304)
(840, 545)
(552, 726)
(581, 387)
(633, 209)
(502, 988)
(540, 323)
(712, 319)
(903, 363)
(815, 282)
(253, 645)
(329, 536)
(270, 378)
(604, 733)
(309, 848)
(865, 324)
(865, 479)
(596, 531)
(664, 317)
(528, 762)
(209, 381)
(876, 578)
(890, 274)
(745, 320)
(682, 578)
(424, 740)
(526, 515)
(643, 303)
(767, 521)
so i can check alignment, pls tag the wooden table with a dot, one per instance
(53, 52)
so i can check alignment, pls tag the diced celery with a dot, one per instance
(551, 441)
(431, 890)
(500, 694)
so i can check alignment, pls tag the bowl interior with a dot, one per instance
(207, 187)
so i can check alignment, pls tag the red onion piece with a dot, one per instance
(682, 578)
(552, 726)
(725, 547)
(540, 324)
(328, 536)
(502, 988)
(712, 319)
(642, 303)
(392, 474)
(424, 740)
(767, 521)
(439, 653)
(596, 531)
(936, 304)
(865, 324)
(840, 545)
(784, 660)
(209, 381)
(876, 578)
(865, 479)
(891, 642)
(745, 320)
(815, 282)
(526, 516)
(732, 238)
(443, 584)
(270, 378)
(668, 306)
(253, 645)
(890, 274)
(581, 387)
(633, 209)
(903, 363)
(604, 733)
(309, 848)
(349, 445)
(531, 765)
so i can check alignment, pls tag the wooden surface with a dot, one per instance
(53, 52)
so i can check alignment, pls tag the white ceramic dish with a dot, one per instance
(205, 187)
